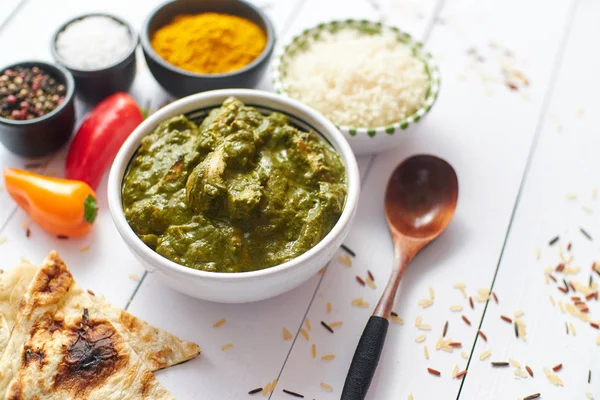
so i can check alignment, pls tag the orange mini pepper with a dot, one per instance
(60, 206)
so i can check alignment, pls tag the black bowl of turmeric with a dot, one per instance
(192, 46)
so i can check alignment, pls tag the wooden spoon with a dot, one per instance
(420, 200)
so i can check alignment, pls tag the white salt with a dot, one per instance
(93, 42)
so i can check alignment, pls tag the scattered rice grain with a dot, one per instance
(485, 354)
(326, 387)
(219, 323)
(287, 334)
(304, 334)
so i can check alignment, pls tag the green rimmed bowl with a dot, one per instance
(364, 140)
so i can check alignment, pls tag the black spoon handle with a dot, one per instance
(365, 360)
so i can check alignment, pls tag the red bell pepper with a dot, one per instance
(100, 137)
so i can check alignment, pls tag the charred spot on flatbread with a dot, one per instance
(58, 324)
(33, 355)
(91, 356)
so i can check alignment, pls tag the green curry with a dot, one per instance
(240, 192)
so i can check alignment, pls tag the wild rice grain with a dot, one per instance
(347, 250)
(589, 375)
(445, 330)
(516, 330)
(254, 391)
(553, 240)
(495, 297)
(471, 303)
(324, 324)
(360, 280)
(532, 396)
(499, 364)
(371, 275)
(434, 371)
(482, 335)
(557, 367)
(293, 393)
(562, 289)
(394, 314)
(466, 320)
(584, 232)
(529, 370)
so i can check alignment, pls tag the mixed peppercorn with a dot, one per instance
(28, 93)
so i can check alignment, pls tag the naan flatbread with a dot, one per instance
(13, 285)
(157, 348)
(63, 347)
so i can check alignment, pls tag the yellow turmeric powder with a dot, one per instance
(209, 43)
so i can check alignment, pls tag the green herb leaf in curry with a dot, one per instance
(240, 192)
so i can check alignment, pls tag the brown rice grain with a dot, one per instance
(286, 334)
(326, 387)
(305, 334)
(219, 323)
(529, 370)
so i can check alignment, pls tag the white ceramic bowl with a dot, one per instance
(362, 139)
(244, 286)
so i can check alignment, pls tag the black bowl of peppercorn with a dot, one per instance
(37, 112)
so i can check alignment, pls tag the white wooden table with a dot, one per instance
(521, 157)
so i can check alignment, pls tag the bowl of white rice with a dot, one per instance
(373, 81)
